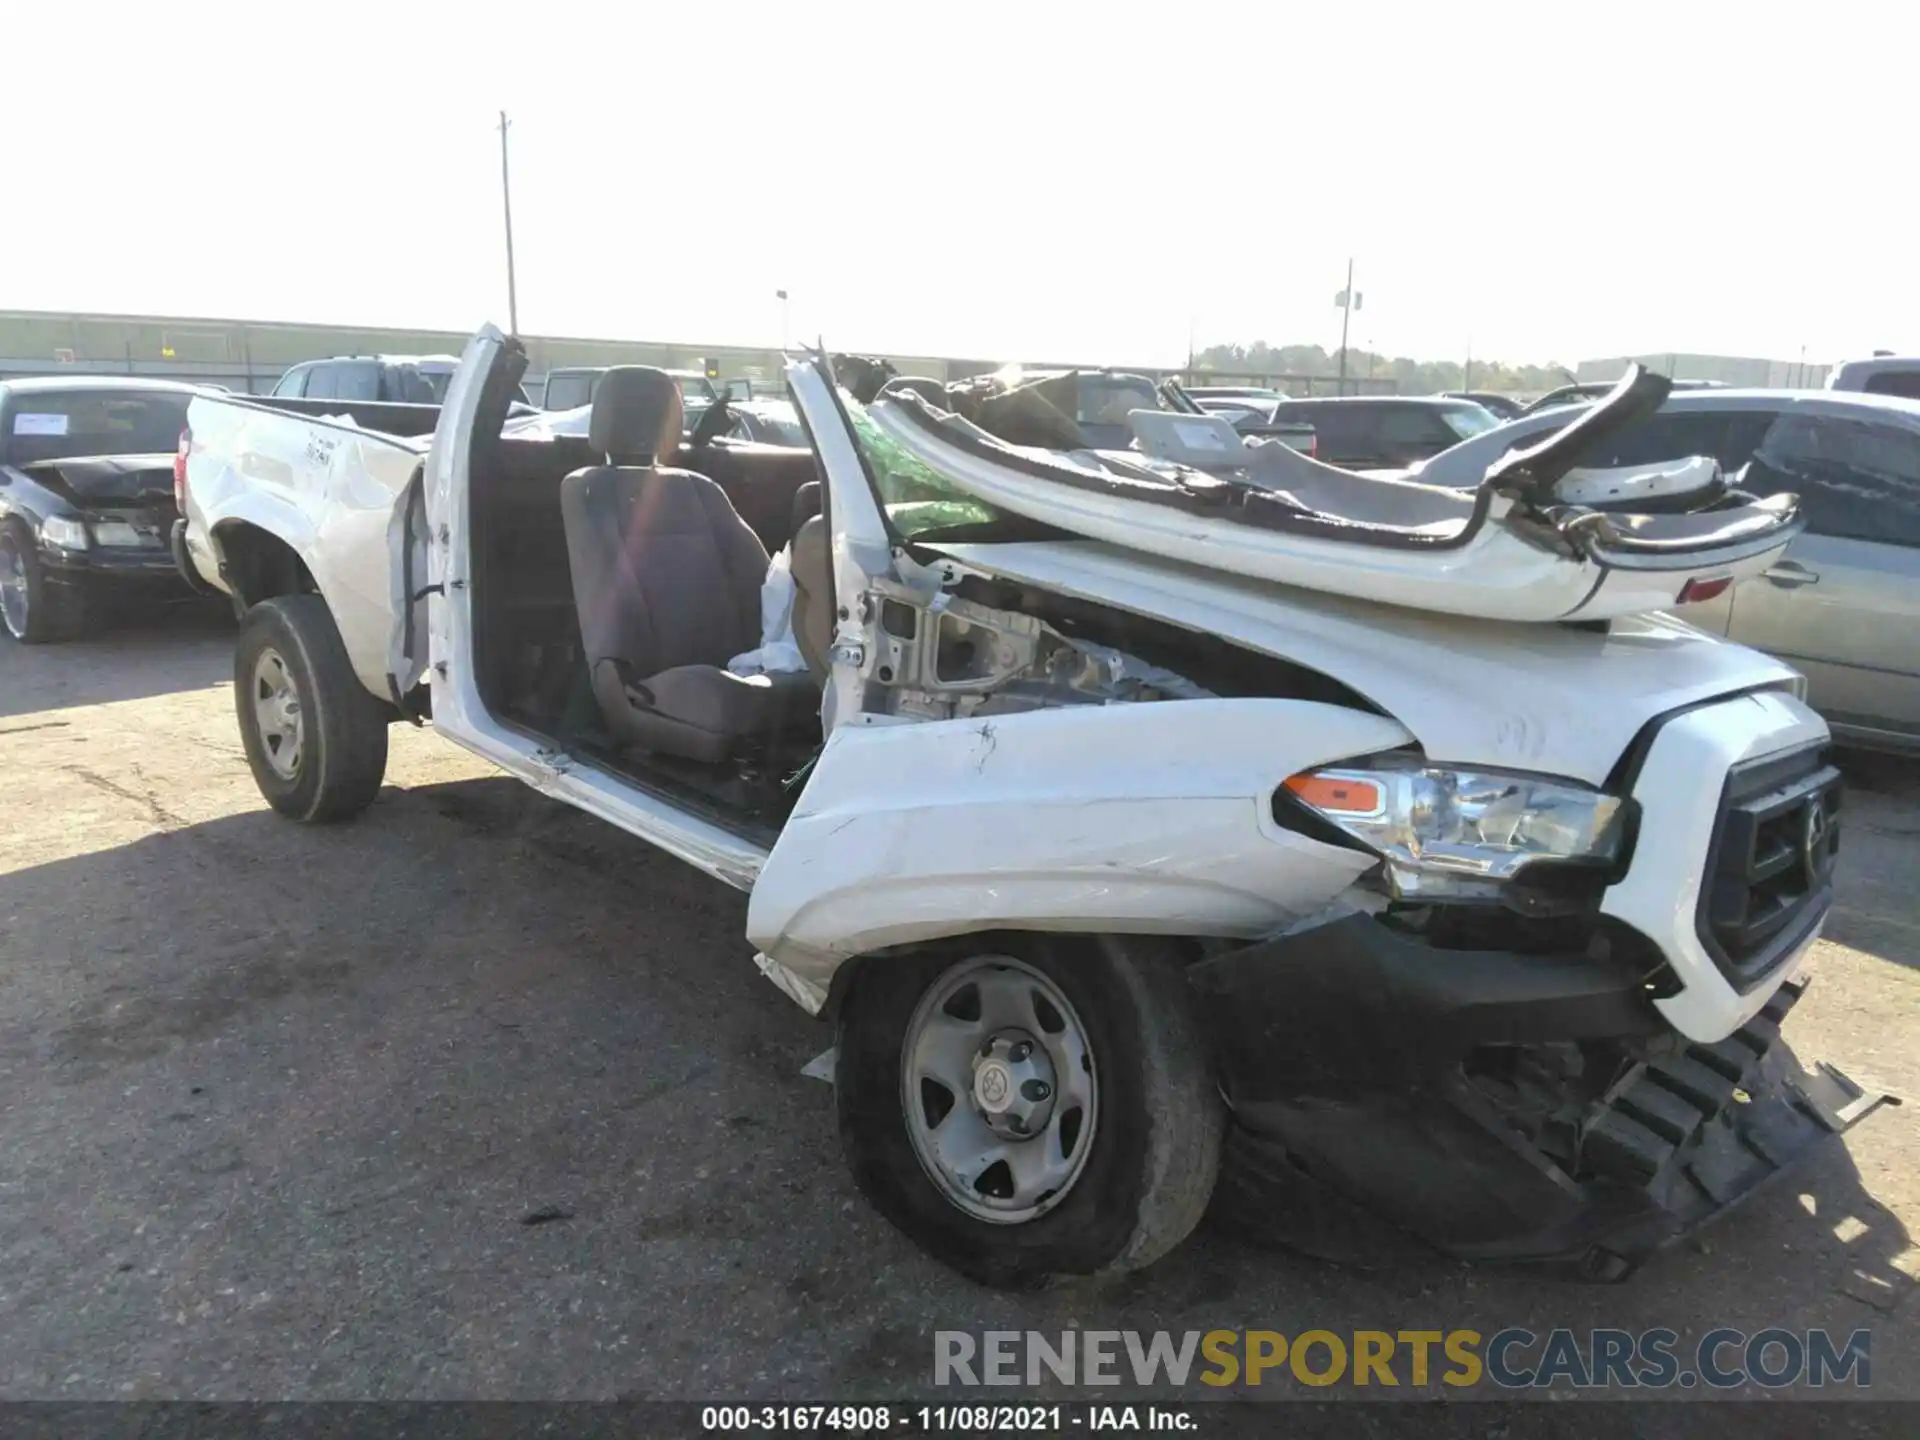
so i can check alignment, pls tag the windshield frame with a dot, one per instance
(860, 427)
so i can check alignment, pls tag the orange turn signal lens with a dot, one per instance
(1338, 795)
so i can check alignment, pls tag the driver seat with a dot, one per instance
(666, 578)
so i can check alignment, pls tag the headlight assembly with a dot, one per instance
(1463, 833)
(65, 531)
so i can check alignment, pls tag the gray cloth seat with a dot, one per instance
(667, 577)
(812, 570)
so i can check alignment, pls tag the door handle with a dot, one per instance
(1791, 575)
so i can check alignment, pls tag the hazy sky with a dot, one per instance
(1038, 180)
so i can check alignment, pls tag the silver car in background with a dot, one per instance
(1843, 605)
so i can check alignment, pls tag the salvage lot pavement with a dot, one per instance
(478, 1097)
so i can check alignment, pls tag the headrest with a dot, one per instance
(636, 413)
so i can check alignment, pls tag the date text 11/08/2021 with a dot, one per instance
(948, 1419)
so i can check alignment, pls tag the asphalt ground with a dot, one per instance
(480, 1098)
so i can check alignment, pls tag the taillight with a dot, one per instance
(180, 471)
(1703, 588)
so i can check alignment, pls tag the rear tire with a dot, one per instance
(1154, 1115)
(316, 740)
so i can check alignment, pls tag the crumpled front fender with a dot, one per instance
(1144, 818)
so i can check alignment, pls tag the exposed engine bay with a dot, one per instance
(957, 658)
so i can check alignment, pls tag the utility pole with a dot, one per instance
(1346, 302)
(506, 200)
(781, 296)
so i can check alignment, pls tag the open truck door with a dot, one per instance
(433, 537)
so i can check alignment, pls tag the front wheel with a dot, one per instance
(33, 609)
(1028, 1109)
(315, 739)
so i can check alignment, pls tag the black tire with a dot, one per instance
(53, 611)
(342, 748)
(1156, 1146)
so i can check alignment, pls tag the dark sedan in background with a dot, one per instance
(1496, 403)
(86, 496)
(1385, 432)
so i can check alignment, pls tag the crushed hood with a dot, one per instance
(1552, 699)
(109, 479)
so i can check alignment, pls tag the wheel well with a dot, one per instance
(258, 565)
(1189, 948)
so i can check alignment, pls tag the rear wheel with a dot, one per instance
(315, 739)
(1029, 1109)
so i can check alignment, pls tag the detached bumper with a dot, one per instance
(1497, 1106)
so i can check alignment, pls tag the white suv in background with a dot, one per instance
(1882, 375)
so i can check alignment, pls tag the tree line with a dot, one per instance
(1410, 377)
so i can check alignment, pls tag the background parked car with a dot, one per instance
(1204, 393)
(1843, 605)
(1376, 432)
(1882, 375)
(374, 380)
(571, 386)
(1496, 403)
(86, 496)
(1589, 390)
(1252, 416)
(765, 422)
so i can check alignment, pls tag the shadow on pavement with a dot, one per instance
(135, 651)
(311, 1096)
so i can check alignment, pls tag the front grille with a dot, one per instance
(1769, 870)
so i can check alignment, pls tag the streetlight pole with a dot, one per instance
(1346, 315)
(781, 296)
(506, 200)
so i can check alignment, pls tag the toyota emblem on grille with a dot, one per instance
(1814, 832)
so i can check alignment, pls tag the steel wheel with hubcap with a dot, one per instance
(1029, 1107)
(999, 1089)
(276, 711)
(316, 738)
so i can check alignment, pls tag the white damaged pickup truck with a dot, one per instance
(1142, 857)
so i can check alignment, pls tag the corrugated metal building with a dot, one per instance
(250, 355)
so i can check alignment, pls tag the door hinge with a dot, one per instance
(846, 652)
